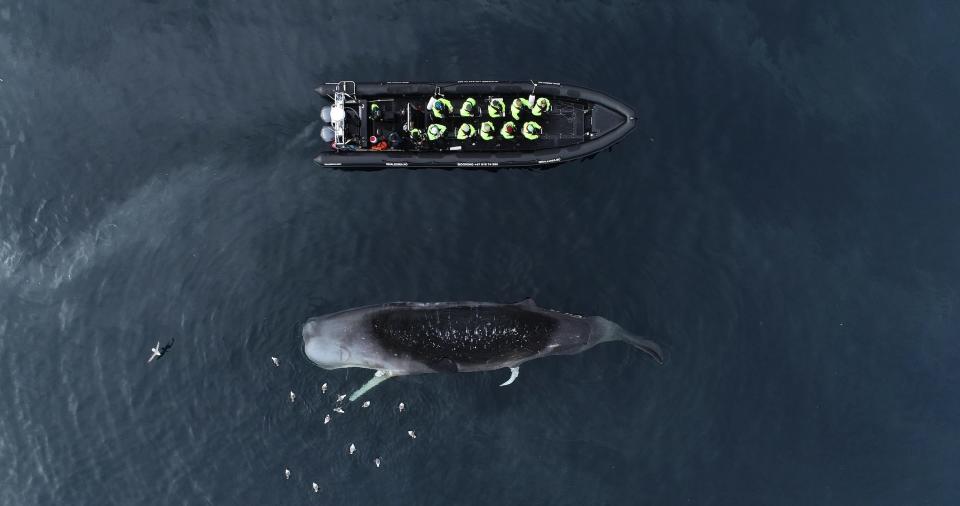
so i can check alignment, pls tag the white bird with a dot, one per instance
(341, 397)
(338, 409)
(293, 396)
(412, 434)
(323, 388)
(276, 361)
(316, 488)
(366, 404)
(401, 406)
(353, 449)
(326, 419)
(376, 461)
(286, 473)
(154, 352)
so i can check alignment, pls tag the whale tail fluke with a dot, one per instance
(645, 345)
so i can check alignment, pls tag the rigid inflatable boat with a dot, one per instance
(470, 124)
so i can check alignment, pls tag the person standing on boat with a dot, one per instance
(469, 107)
(376, 112)
(516, 107)
(465, 132)
(435, 131)
(440, 106)
(540, 106)
(496, 108)
(487, 130)
(508, 130)
(532, 130)
(416, 136)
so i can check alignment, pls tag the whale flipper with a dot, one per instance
(514, 372)
(378, 377)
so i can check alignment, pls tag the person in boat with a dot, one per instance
(416, 136)
(508, 130)
(532, 130)
(375, 111)
(496, 108)
(516, 107)
(440, 106)
(435, 131)
(487, 130)
(466, 131)
(469, 107)
(540, 106)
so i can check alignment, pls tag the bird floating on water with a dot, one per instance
(412, 434)
(316, 488)
(366, 404)
(341, 397)
(276, 361)
(401, 406)
(323, 388)
(293, 396)
(286, 473)
(353, 449)
(154, 352)
(338, 409)
(326, 419)
(376, 462)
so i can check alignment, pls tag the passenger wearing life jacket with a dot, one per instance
(465, 132)
(416, 136)
(375, 111)
(469, 107)
(487, 130)
(516, 107)
(540, 106)
(532, 130)
(496, 108)
(440, 106)
(435, 131)
(508, 130)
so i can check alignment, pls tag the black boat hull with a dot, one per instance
(482, 159)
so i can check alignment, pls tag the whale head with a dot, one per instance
(339, 341)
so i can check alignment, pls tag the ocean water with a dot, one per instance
(783, 222)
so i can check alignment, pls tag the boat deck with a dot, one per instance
(563, 125)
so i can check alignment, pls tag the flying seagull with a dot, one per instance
(154, 353)
(276, 361)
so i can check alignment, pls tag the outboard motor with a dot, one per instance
(325, 114)
(327, 133)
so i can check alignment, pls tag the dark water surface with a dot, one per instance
(783, 222)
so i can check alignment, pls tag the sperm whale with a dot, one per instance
(404, 338)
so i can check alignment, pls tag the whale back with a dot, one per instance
(466, 334)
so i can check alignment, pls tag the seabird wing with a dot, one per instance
(377, 378)
(514, 372)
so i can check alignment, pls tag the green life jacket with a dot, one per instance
(465, 131)
(435, 131)
(447, 108)
(535, 133)
(541, 106)
(496, 108)
(416, 135)
(468, 111)
(503, 130)
(487, 130)
(517, 106)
